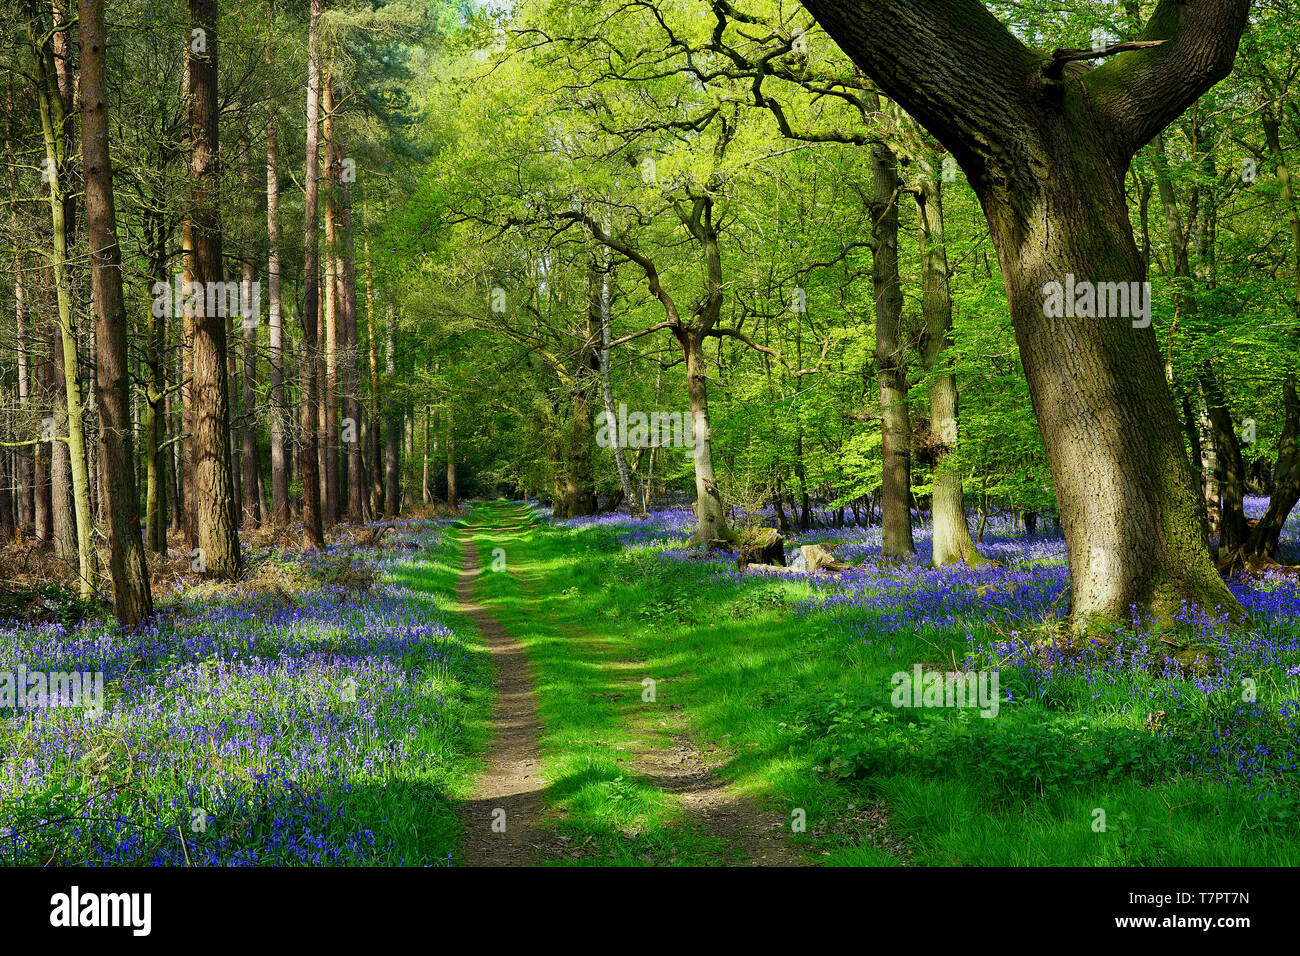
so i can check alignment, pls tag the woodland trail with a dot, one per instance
(749, 833)
(503, 823)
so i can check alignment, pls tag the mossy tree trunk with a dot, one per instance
(1046, 144)
(951, 531)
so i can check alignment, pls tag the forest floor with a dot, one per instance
(615, 698)
(689, 714)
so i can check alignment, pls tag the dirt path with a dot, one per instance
(754, 833)
(509, 791)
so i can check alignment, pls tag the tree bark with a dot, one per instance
(376, 462)
(330, 265)
(1046, 145)
(951, 532)
(606, 387)
(213, 502)
(392, 433)
(132, 600)
(275, 321)
(895, 415)
(312, 533)
(452, 491)
(69, 460)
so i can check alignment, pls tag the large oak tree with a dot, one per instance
(1046, 141)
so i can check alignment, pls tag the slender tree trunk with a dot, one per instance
(393, 433)
(330, 264)
(26, 455)
(279, 469)
(606, 387)
(313, 534)
(54, 126)
(895, 418)
(214, 502)
(710, 515)
(249, 458)
(131, 597)
(452, 494)
(425, 493)
(62, 496)
(951, 531)
(351, 376)
(155, 401)
(376, 463)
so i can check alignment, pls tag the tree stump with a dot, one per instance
(819, 559)
(764, 546)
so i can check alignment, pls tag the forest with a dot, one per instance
(679, 433)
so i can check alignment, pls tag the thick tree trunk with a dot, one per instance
(1046, 145)
(131, 597)
(213, 502)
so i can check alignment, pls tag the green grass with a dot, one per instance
(801, 714)
(417, 809)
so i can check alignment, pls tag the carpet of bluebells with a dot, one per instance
(1230, 696)
(237, 724)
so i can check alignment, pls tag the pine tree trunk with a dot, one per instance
(214, 496)
(312, 532)
(249, 458)
(69, 459)
(393, 433)
(275, 321)
(132, 600)
(376, 463)
(330, 264)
